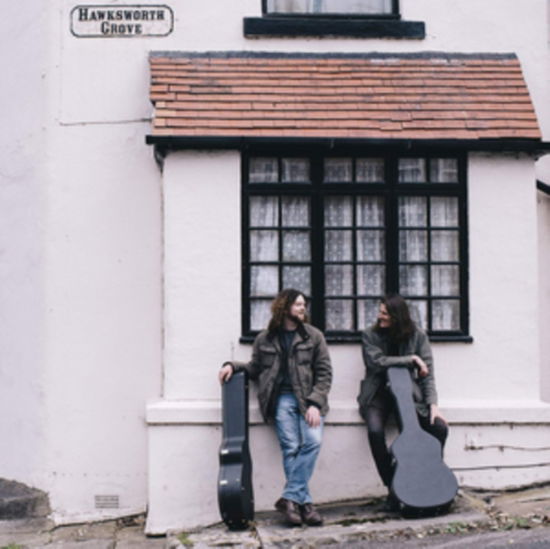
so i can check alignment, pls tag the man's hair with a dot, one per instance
(281, 306)
(402, 325)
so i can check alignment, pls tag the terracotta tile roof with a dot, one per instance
(422, 96)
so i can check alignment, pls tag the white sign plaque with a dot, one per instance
(121, 21)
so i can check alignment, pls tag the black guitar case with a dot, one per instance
(422, 483)
(235, 494)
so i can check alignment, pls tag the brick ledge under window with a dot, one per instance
(352, 27)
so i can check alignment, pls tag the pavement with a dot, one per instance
(519, 519)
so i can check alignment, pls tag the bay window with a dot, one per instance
(346, 229)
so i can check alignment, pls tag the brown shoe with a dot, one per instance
(310, 515)
(290, 511)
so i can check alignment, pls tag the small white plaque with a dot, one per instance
(121, 21)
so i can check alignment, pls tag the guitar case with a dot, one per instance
(235, 493)
(422, 483)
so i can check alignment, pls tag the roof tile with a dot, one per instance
(335, 96)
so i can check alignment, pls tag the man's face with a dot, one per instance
(297, 311)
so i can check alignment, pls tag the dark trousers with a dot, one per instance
(376, 417)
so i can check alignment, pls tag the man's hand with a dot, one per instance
(434, 413)
(225, 373)
(313, 416)
(423, 370)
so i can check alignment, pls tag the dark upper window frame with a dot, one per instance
(348, 25)
(391, 190)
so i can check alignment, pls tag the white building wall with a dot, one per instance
(81, 247)
(23, 179)
(80, 291)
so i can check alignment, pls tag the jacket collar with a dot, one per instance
(301, 330)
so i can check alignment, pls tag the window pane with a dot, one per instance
(412, 170)
(445, 315)
(371, 246)
(295, 210)
(338, 170)
(412, 211)
(338, 279)
(264, 246)
(329, 6)
(369, 170)
(296, 246)
(444, 211)
(443, 170)
(338, 314)
(338, 211)
(298, 278)
(295, 170)
(445, 280)
(370, 279)
(341, 250)
(370, 211)
(444, 246)
(367, 311)
(264, 211)
(419, 312)
(413, 245)
(263, 170)
(413, 280)
(338, 246)
(260, 313)
(264, 281)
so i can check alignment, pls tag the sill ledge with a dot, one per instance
(350, 27)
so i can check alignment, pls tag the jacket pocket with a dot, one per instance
(304, 353)
(267, 356)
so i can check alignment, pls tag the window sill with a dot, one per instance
(356, 338)
(352, 27)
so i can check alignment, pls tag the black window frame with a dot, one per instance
(391, 189)
(347, 25)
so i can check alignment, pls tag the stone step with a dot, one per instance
(18, 501)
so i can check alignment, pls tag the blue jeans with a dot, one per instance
(300, 445)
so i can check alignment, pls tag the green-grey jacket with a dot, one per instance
(309, 369)
(376, 359)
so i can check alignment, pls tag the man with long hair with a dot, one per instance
(395, 340)
(291, 365)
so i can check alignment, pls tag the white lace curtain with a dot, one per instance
(354, 256)
(329, 6)
(429, 255)
(273, 218)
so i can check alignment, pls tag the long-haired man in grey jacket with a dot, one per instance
(291, 365)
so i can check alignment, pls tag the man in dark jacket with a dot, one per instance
(291, 365)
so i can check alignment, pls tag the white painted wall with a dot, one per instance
(503, 360)
(23, 180)
(202, 270)
(81, 264)
(81, 247)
